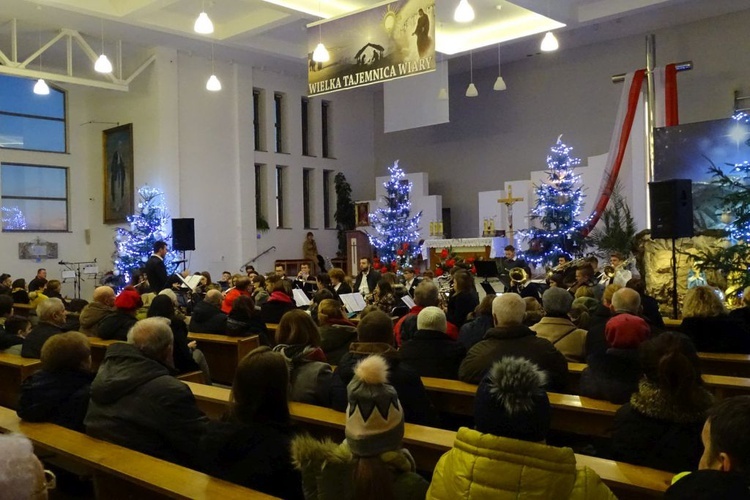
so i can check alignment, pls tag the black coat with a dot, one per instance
(207, 318)
(418, 408)
(716, 334)
(372, 280)
(433, 354)
(651, 312)
(183, 356)
(7, 340)
(272, 311)
(473, 331)
(116, 326)
(156, 272)
(335, 340)
(32, 346)
(460, 305)
(253, 455)
(613, 378)
(343, 288)
(239, 325)
(61, 398)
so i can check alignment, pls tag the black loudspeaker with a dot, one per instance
(183, 234)
(671, 208)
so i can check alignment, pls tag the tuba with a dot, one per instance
(518, 276)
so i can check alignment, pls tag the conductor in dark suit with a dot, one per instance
(366, 286)
(156, 270)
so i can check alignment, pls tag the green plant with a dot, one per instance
(619, 229)
(261, 224)
(344, 215)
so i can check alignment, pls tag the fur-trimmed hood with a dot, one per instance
(308, 452)
(653, 402)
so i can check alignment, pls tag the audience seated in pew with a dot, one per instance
(279, 302)
(510, 337)
(52, 316)
(22, 475)
(742, 314)
(706, 322)
(336, 332)
(426, 294)
(19, 292)
(297, 338)
(505, 456)
(101, 306)
(613, 369)
(260, 294)
(533, 315)
(6, 310)
(16, 329)
(371, 463)
(430, 351)
(241, 287)
(136, 403)
(116, 326)
(649, 305)
(474, 329)
(375, 336)
(599, 317)
(724, 468)
(59, 392)
(661, 425)
(464, 298)
(207, 315)
(557, 327)
(317, 298)
(244, 320)
(251, 446)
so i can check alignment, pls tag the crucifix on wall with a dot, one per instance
(508, 201)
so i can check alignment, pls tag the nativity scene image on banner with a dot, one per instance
(391, 40)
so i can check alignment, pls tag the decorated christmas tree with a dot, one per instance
(134, 245)
(398, 230)
(558, 206)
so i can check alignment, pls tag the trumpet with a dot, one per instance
(609, 271)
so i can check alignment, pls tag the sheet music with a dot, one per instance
(300, 298)
(354, 302)
(408, 301)
(191, 281)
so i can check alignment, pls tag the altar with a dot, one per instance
(479, 248)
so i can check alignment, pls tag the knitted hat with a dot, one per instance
(626, 331)
(511, 401)
(590, 303)
(556, 301)
(374, 416)
(432, 318)
(129, 299)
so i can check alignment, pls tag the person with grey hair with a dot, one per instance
(136, 403)
(431, 352)
(207, 315)
(52, 316)
(557, 327)
(101, 306)
(425, 295)
(510, 337)
(21, 473)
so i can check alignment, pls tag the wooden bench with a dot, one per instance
(13, 371)
(118, 472)
(428, 444)
(223, 353)
(98, 349)
(733, 365)
(24, 310)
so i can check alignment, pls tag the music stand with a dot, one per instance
(486, 269)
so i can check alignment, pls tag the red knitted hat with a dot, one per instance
(129, 299)
(626, 331)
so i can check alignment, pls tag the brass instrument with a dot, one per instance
(562, 267)
(518, 275)
(609, 271)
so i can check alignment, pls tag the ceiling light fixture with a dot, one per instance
(499, 82)
(102, 64)
(464, 13)
(471, 90)
(320, 54)
(549, 43)
(443, 92)
(41, 87)
(213, 84)
(203, 24)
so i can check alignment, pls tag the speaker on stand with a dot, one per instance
(671, 218)
(183, 237)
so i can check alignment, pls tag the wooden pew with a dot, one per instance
(118, 472)
(13, 370)
(98, 349)
(223, 353)
(427, 444)
(24, 310)
(734, 365)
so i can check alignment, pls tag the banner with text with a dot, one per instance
(391, 40)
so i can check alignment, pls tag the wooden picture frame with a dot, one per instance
(118, 190)
(363, 213)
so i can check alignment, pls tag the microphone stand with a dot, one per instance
(76, 268)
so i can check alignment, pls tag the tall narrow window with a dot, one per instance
(327, 185)
(280, 185)
(307, 196)
(305, 119)
(278, 107)
(260, 212)
(258, 122)
(34, 197)
(325, 122)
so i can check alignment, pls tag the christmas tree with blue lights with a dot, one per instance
(134, 245)
(558, 205)
(398, 230)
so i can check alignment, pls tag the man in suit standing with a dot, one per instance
(156, 270)
(366, 286)
(410, 281)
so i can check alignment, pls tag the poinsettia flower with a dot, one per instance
(438, 271)
(444, 253)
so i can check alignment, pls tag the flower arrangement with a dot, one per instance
(402, 254)
(449, 260)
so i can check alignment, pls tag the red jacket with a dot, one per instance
(451, 330)
(226, 306)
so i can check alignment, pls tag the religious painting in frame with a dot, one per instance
(363, 213)
(118, 193)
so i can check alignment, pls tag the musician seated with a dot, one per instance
(521, 284)
(585, 277)
(505, 264)
(566, 268)
(621, 275)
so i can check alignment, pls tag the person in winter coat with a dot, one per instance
(136, 402)
(474, 329)
(557, 327)
(101, 306)
(207, 315)
(251, 445)
(51, 322)
(59, 392)
(12, 337)
(511, 338)
(375, 336)
(370, 464)
(426, 294)
(706, 322)
(244, 320)
(336, 332)
(661, 425)
(505, 456)
(116, 326)
(279, 302)
(431, 352)
(260, 294)
(298, 339)
(241, 287)
(464, 298)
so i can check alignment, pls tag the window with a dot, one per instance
(34, 197)
(305, 119)
(29, 121)
(258, 122)
(307, 174)
(278, 107)
(327, 185)
(325, 123)
(259, 192)
(280, 186)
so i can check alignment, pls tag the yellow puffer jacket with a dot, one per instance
(485, 466)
